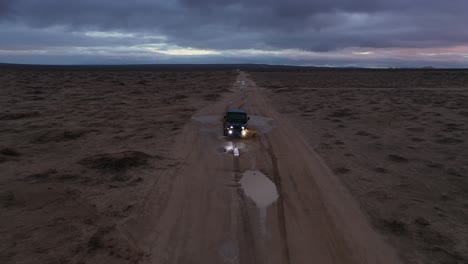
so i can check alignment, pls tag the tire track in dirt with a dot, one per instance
(321, 223)
(280, 201)
(247, 232)
(266, 147)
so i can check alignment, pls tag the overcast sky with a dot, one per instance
(372, 33)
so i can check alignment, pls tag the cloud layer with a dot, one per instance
(366, 29)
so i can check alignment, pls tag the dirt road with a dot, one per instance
(277, 202)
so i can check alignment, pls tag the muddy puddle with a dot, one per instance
(261, 124)
(229, 251)
(234, 148)
(261, 190)
(209, 119)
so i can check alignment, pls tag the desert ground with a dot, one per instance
(398, 140)
(80, 150)
(127, 165)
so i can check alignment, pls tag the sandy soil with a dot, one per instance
(398, 140)
(81, 149)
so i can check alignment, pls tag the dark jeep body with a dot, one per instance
(235, 123)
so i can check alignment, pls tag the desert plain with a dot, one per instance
(129, 165)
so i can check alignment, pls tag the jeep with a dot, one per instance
(235, 123)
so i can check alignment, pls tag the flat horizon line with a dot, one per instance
(222, 65)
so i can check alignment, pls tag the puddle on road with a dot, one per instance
(230, 147)
(260, 123)
(261, 190)
(229, 251)
(208, 119)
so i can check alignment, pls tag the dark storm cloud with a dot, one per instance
(267, 24)
(63, 26)
(5, 7)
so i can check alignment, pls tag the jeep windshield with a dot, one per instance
(236, 117)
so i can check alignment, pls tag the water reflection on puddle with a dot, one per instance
(230, 146)
(260, 123)
(229, 251)
(261, 190)
(209, 119)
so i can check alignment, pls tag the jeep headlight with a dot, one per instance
(244, 132)
(243, 128)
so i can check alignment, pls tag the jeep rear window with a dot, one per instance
(239, 117)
